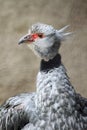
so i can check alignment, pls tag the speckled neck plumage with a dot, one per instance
(53, 63)
(56, 98)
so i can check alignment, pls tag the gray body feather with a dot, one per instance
(17, 111)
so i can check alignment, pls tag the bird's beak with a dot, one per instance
(25, 39)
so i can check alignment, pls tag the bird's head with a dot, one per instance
(44, 40)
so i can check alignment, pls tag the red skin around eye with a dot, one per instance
(34, 36)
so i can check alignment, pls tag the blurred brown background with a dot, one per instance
(18, 64)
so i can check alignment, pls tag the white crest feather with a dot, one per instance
(61, 34)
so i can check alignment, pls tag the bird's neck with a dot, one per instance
(51, 64)
(53, 85)
(55, 101)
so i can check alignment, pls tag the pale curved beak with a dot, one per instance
(24, 39)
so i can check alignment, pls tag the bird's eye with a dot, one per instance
(40, 35)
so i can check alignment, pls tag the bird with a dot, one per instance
(55, 105)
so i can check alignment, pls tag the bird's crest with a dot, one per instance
(61, 33)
